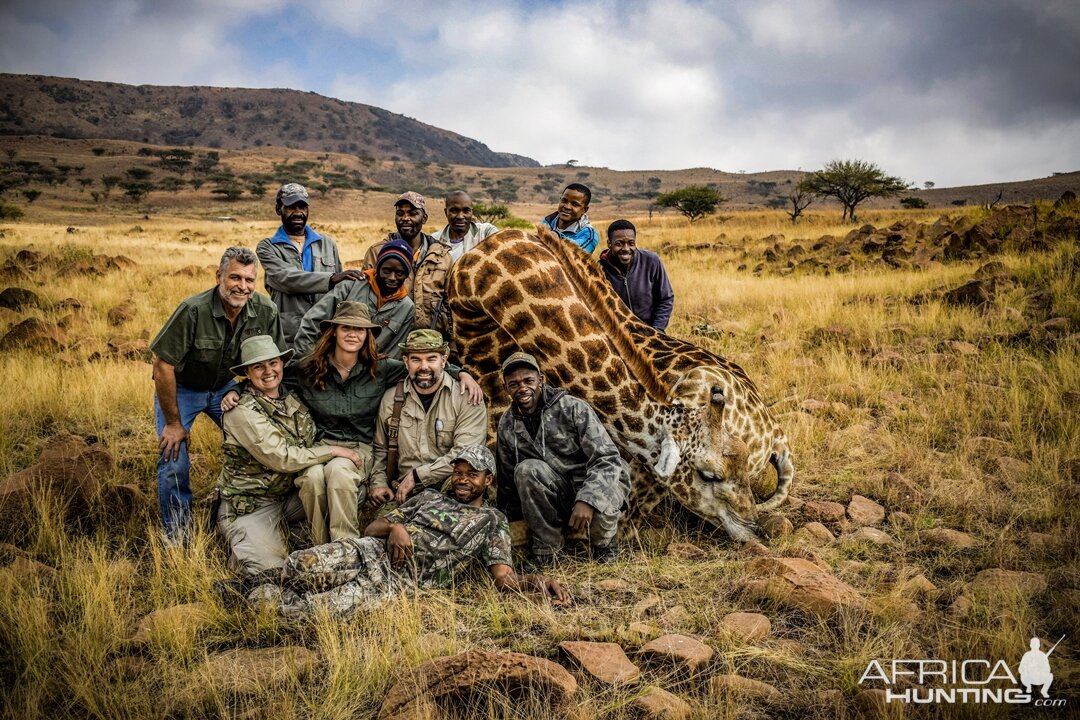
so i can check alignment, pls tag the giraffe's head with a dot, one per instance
(704, 465)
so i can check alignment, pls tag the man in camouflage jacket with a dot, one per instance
(427, 542)
(557, 465)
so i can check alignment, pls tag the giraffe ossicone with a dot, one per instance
(690, 423)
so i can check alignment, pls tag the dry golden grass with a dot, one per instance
(63, 648)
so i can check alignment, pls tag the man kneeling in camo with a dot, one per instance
(427, 542)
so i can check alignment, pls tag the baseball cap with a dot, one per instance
(478, 456)
(292, 193)
(413, 198)
(520, 358)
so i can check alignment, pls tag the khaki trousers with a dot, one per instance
(332, 493)
(259, 540)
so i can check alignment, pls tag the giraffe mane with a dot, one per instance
(591, 285)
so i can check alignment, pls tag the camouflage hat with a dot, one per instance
(520, 358)
(292, 193)
(424, 341)
(478, 456)
(413, 198)
(259, 348)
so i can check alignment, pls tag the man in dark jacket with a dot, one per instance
(300, 264)
(637, 276)
(557, 465)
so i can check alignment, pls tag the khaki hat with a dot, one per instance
(478, 456)
(413, 198)
(353, 314)
(425, 341)
(520, 358)
(258, 348)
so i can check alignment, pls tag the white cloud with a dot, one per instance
(947, 92)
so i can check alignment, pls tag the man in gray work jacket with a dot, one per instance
(300, 265)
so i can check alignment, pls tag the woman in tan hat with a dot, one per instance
(342, 380)
(269, 438)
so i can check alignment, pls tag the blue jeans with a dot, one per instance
(173, 481)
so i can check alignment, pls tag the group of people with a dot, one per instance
(351, 394)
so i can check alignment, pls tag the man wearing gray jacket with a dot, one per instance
(557, 465)
(301, 265)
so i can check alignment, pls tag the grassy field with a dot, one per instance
(948, 416)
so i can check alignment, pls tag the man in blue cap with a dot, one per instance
(301, 265)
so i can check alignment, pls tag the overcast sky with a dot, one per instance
(953, 92)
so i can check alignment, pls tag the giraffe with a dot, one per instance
(688, 421)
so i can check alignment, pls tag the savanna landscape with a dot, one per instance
(923, 363)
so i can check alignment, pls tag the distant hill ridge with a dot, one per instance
(229, 118)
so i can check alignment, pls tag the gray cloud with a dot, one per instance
(954, 92)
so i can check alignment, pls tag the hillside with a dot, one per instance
(229, 118)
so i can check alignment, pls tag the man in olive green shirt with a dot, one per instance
(436, 421)
(193, 354)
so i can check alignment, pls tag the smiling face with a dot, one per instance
(350, 339)
(523, 384)
(469, 485)
(294, 217)
(425, 370)
(571, 207)
(235, 286)
(265, 376)
(459, 214)
(390, 276)
(623, 245)
(409, 220)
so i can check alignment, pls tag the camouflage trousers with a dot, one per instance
(340, 577)
(547, 499)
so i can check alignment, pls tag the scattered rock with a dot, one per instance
(997, 582)
(68, 467)
(948, 538)
(823, 510)
(871, 535)
(643, 630)
(646, 604)
(186, 618)
(122, 313)
(901, 491)
(974, 293)
(754, 548)
(775, 526)
(17, 298)
(34, 334)
(657, 704)
(687, 551)
(814, 533)
(864, 511)
(963, 348)
(685, 653)
(917, 585)
(741, 687)
(25, 569)
(605, 662)
(900, 520)
(673, 617)
(746, 626)
(613, 585)
(476, 672)
(246, 671)
(799, 583)
(961, 607)
(1011, 469)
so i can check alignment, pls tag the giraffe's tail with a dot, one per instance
(785, 476)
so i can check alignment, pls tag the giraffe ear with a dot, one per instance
(669, 457)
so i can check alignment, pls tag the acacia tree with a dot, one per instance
(851, 182)
(693, 201)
